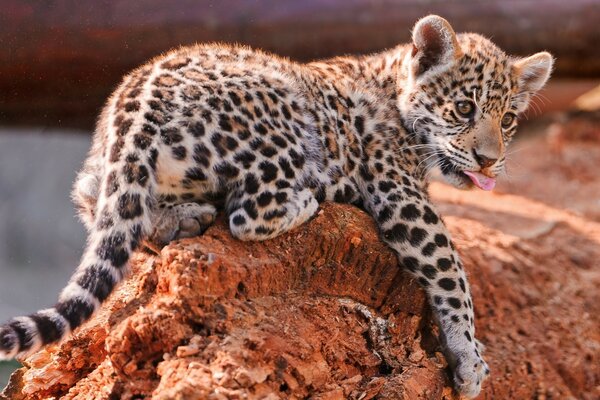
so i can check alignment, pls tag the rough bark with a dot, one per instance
(295, 316)
(324, 312)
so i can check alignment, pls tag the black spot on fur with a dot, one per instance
(454, 302)
(98, 281)
(286, 167)
(297, 159)
(202, 155)
(251, 184)
(24, 335)
(152, 159)
(385, 214)
(129, 206)
(115, 150)
(104, 221)
(286, 112)
(112, 184)
(179, 152)
(195, 174)
(279, 141)
(250, 209)
(447, 284)
(281, 197)
(461, 283)
(386, 186)
(263, 230)
(441, 240)
(196, 129)
(170, 136)
(231, 143)
(49, 330)
(429, 216)
(227, 170)
(428, 249)
(272, 214)
(245, 157)
(444, 264)
(410, 212)
(124, 127)
(359, 124)
(75, 311)
(264, 199)
(135, 173)
(133, 105)
(235, 98)
(268, 151)
(424, 282)
(239, 220)
(142, 141)
(429, 271)
(417, 235)
(269, 171)
(398, 233)
(112, 248)
(224, 123)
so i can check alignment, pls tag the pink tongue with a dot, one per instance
(481, 181)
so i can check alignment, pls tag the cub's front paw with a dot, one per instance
(470, 371)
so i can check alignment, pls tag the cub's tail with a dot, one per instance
(121, 221)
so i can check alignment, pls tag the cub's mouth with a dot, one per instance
(480, 180)
(465, 179)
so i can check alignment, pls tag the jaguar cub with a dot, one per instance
(265, 139)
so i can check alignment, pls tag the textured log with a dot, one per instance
(323, 312)
(292, 316)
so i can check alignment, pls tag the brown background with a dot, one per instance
(60, 59)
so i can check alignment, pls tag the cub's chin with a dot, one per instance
(452, 175)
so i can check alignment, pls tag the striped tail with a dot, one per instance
(124, 206)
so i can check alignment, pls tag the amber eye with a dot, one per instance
(465, 108)
(507, 120)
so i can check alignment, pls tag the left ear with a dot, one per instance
(435, 45)
(533, 71)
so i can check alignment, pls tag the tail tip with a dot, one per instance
(9, 342)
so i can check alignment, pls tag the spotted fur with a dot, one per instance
(266, 139)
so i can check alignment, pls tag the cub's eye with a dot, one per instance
(465, 108)
(507, 120)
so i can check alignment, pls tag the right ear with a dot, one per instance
(434, 45)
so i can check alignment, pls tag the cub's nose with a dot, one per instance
(483, 161)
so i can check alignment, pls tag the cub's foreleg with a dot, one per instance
(410, 225)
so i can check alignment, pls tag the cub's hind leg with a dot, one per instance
(172, 221)
(85, 196)
(269, 212)
(177, 221)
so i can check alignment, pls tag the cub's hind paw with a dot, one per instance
(180, 221)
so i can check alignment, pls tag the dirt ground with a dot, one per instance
(325, 313)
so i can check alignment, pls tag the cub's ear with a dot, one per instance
(533, 72)
(434, 45)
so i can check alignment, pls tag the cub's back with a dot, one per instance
(206, 108)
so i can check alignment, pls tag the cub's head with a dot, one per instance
(463, 100)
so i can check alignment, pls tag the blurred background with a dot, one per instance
(61, 59)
